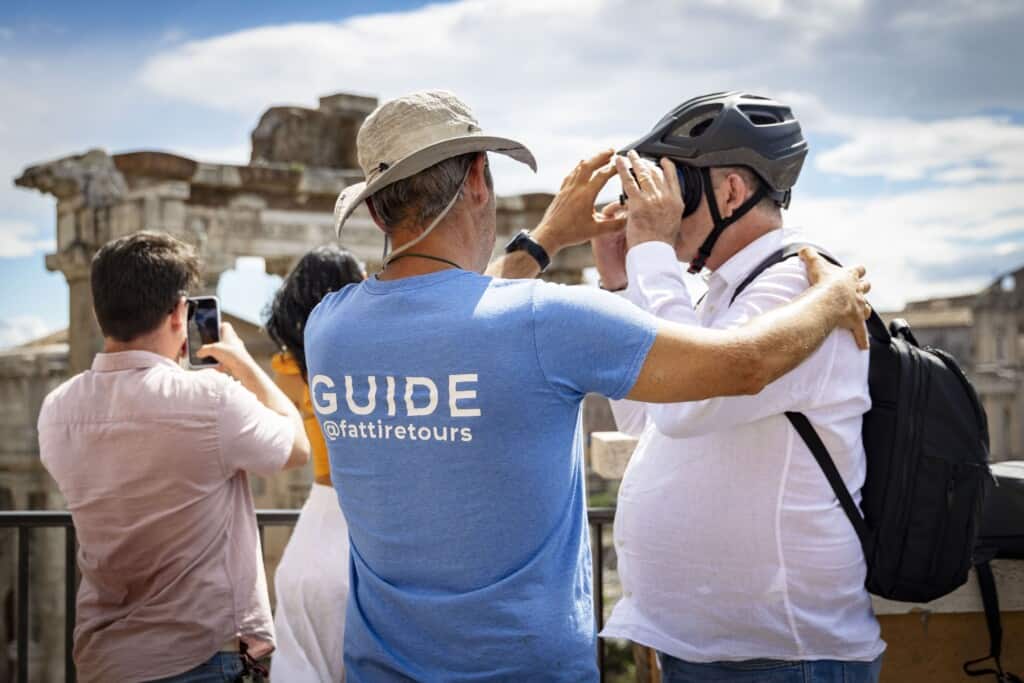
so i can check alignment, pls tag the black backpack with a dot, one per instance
(926, 440)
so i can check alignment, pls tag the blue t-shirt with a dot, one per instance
(451, 407)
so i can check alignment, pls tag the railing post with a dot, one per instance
(70, 591)
(24, 539)
(599, 592)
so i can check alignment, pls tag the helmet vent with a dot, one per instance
(760, 116)
(700, 127)
(694, 126)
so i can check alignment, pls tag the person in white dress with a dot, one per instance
(311, 582)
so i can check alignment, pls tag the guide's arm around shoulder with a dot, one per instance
(689, 364)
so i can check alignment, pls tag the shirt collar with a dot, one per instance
(129, 360)
(731, 273)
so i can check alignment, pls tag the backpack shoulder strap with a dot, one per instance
(778, 256)
(814, 443)
(990, 598)
(876, 326)
(775, 258)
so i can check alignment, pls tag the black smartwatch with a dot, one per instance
(523, 242)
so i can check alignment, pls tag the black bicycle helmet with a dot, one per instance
(728, 129)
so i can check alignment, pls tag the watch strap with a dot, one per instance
(523, 242)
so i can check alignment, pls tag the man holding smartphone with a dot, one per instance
(152, 462)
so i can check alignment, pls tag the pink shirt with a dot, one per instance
(151, 460)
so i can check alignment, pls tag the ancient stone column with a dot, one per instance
(84, 337)
(87, 187)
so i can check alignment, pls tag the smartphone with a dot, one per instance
(203, 328)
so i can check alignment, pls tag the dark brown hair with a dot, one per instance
(137, 281)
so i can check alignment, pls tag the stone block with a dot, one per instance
(326, 180)
(221, 175)
(307, 137)
(346, 103)
(610, 453)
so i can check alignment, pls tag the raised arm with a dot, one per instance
(234, 358)
(570, 218)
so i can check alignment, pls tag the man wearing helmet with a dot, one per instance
(737, 562)
(452, 419)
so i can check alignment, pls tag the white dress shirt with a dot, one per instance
(730, 543)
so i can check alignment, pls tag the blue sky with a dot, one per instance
(914, 110)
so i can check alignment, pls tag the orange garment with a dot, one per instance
(285, 366)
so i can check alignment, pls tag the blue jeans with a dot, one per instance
(223, 667)
(769, 671)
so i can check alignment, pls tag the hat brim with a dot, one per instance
(354, 195)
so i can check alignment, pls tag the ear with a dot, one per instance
(732, 192)
(476, 181)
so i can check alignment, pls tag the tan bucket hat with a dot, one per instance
(412, 133)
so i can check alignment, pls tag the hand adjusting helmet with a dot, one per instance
(728, 129)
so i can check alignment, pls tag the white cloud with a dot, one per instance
(955, 150)
(20, 329)
(953, 12)
(21, 238)
(857, 54)
(925, 242)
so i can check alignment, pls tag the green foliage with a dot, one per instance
(618, 661)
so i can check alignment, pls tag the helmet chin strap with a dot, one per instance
(433, 224)
(720, 224)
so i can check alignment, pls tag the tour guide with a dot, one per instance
(453, 417)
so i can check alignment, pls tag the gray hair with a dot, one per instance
(423, 196)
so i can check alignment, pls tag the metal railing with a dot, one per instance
(25, 522)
